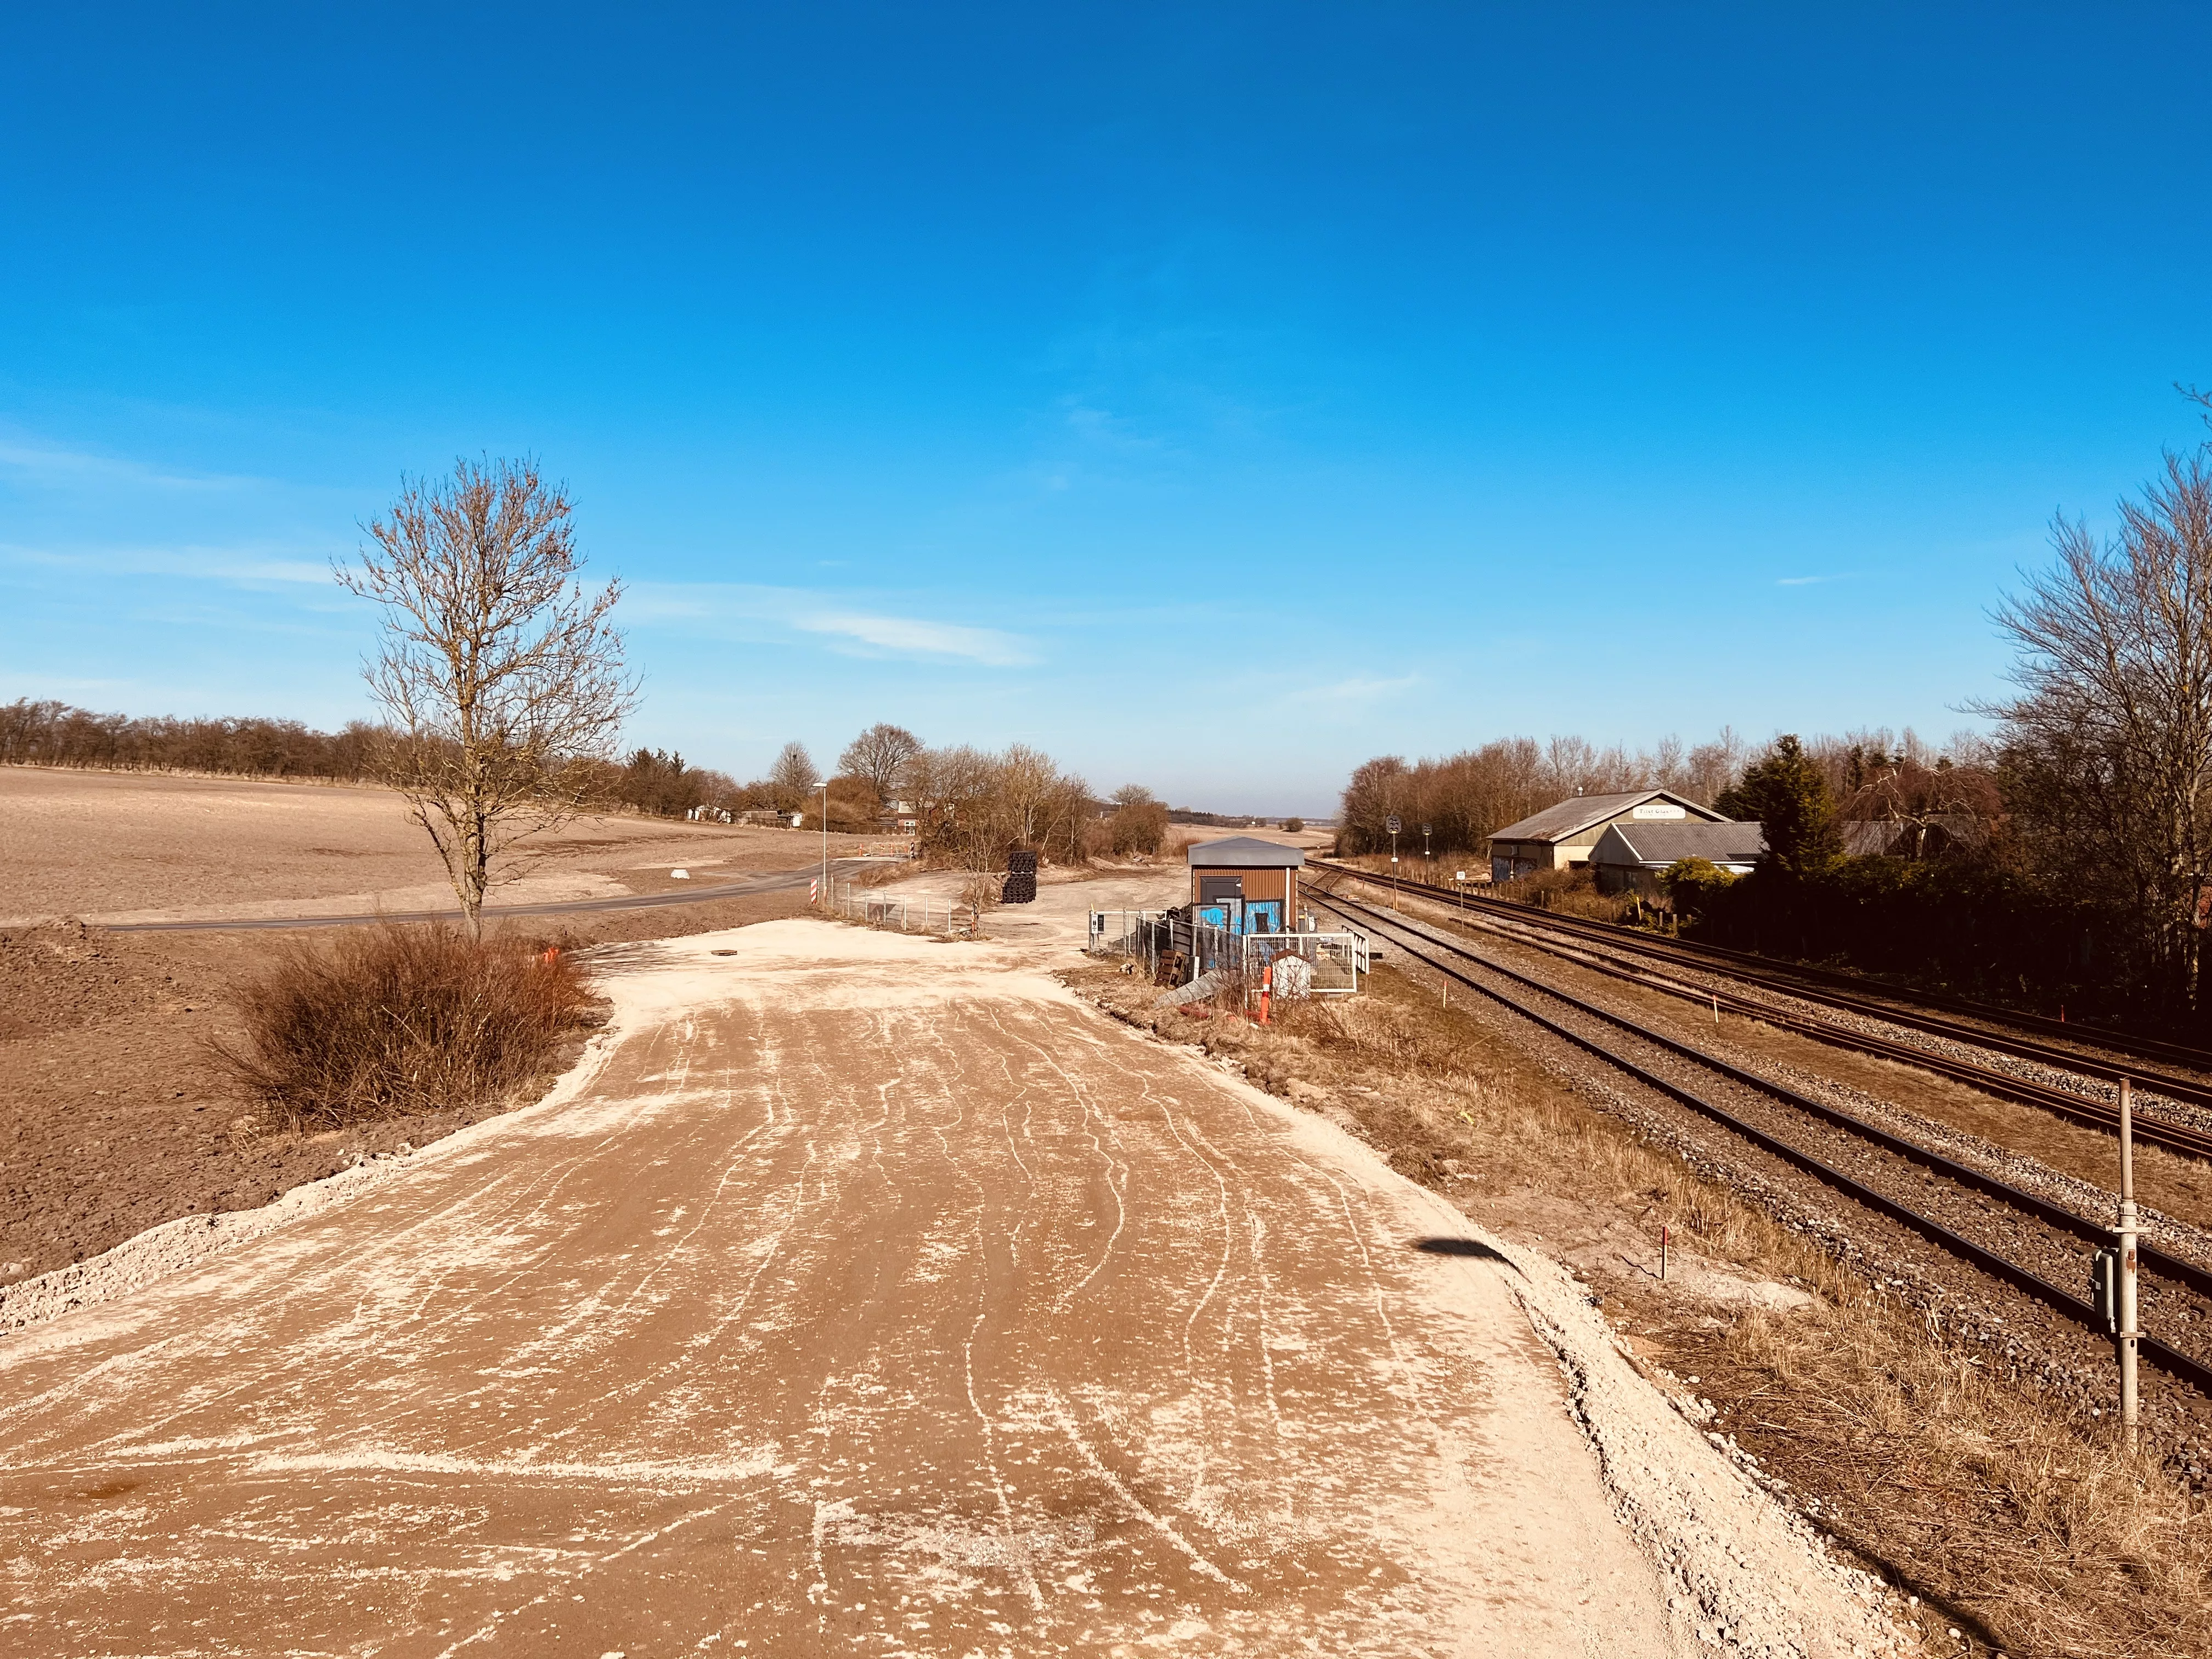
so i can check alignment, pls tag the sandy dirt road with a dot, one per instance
(863, 1295)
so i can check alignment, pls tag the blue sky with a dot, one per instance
(1212, 396)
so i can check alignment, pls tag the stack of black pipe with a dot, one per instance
(1021, 879)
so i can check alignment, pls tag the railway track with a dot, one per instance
(1854, 990)
(1820, 1140)
(1530, 926)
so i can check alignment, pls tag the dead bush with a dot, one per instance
(1571, 892)
(390, 1020)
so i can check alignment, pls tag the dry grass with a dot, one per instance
(382, 1020)
(882, 875)
(2040, 1537)
(2028, 1529)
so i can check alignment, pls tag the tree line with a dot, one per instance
(1019, 795)
(50, 733)
(1464, 798)
(2064, 860)
(969, 806)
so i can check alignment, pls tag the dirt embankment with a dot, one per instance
(2017, 1525)
(116, 1114)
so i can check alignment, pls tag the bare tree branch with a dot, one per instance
(880, 756)
(502, 676)
(2109, 745)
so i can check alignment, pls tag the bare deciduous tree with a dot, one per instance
(792, 776)
(880, 755)
(1031, 789)
(2110, 744)
(502, 676)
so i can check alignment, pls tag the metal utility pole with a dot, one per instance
(2131, 1412)
(825, 846)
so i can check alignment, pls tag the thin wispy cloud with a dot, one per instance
(765, 615)
(909, 636)
(1103, 430)
(1804, 581)
(224, 564)
(1356, 690)
(53, 467)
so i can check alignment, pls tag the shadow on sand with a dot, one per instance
(1462, 1246)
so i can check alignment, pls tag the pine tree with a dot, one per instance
(1787, 792)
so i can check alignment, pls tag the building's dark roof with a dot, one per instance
(1245, 853)
(1572, 816)
(1865, 837)
(1730, 842)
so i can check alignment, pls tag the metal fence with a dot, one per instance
(921, 915)
(1128, 933)
(1189, 949)
(1335, 960)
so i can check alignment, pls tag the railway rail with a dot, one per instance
(1531, 924)
(1457, 961)
(1756, 967)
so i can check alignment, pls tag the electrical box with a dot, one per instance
(2104, 1289)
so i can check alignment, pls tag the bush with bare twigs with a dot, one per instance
(395, 1019)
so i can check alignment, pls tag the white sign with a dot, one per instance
(1658, 809)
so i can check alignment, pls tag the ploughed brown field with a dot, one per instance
(113, 1116)
(119, 847)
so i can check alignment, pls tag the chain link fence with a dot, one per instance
(1176, 951)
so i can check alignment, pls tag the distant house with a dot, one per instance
(1632, 856)
(1562, 837)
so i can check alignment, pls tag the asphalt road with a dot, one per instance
(775, 881)
(866, 1294)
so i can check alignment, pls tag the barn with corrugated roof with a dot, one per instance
(1562, 837)
(1632, 856)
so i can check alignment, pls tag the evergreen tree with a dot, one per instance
(1786, 791)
